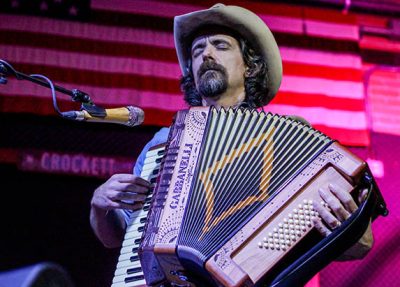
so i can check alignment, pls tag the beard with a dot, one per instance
(212, 80)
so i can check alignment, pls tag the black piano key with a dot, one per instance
(135, 249)
(134, 258)
(137, 241)
(143, 220)
(146, 207)
(133, 278)
(140, 229)
(134, 270)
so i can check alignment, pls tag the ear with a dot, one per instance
(247, 72)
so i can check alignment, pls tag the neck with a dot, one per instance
(225, 100)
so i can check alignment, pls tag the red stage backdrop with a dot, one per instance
(125, 54)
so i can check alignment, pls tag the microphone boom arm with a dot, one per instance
(77, 96)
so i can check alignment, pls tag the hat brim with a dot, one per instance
(241, 21)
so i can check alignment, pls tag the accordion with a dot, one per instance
(233, 203)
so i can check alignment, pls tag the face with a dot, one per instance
(218, 69)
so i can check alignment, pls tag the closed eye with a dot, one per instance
(221, 44)
(197, 50)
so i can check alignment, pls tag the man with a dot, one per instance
(228, 58)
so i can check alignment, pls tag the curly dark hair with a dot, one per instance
(256, 81)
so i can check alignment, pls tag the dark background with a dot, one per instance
(45, 217)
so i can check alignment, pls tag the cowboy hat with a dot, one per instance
(242, 22)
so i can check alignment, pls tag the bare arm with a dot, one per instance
(121, 191)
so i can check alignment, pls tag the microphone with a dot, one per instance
(129, 116)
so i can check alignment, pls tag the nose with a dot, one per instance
(208, 52)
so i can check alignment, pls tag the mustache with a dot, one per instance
(210, 65)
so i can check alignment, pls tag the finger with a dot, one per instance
(124, 205)
(134, 188)
(334, 204)
(345, 198)
(322, 229)
(136, 180)
(120, 195)
(331, 221)
(130, 178)
(362, 195)
(141, 181)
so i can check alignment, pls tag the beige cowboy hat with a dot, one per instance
(242, 22)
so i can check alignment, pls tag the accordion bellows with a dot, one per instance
(234, 195)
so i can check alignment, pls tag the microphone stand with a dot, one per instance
(77, 96)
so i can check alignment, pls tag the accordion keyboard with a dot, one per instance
(129, 271)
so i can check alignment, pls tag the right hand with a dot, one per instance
(121, 191)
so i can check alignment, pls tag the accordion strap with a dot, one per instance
(342, 238)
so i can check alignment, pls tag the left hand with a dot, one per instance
(337, 206)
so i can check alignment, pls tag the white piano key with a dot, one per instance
(121, 271)
(127, 256)
(136, 223)
(128, 249)
(127, 264)
(150, 167)
(129, 242)
(121, 278)
(132, 236)
(140, 283)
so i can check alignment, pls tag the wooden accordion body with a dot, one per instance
(233, 199)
